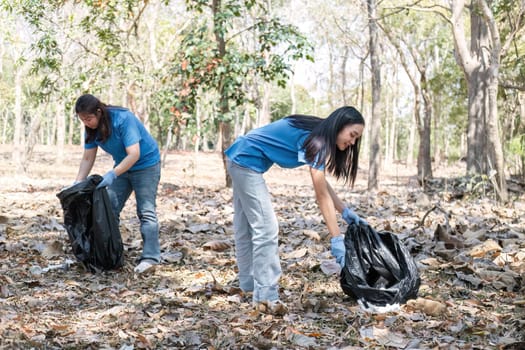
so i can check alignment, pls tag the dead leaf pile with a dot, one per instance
(469, 249)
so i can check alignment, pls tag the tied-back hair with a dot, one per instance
(89, 104)
(321, 145)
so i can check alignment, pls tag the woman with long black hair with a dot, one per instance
(331, 145)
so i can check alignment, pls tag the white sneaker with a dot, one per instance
(143, 266)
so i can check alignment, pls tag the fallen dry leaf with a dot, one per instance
(489, 247)
(427, 306)
(376, 336)
(298, 253)
(217, 246)
(312, 234)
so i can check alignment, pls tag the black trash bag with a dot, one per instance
(379, 270)
(91, 225)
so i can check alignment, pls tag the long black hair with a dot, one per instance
(321, 145)
(89, 104)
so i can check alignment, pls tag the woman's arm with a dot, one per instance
(324, 195)
(133, 156)
(86, 164)
(339, 205)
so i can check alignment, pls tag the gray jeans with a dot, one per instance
(256, 234)
(144, 182)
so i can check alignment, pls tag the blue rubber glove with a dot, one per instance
(338, 250)
(107, 179)
(350, 216)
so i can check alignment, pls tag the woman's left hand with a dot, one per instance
(351, 217)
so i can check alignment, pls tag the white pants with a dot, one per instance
(256, 234)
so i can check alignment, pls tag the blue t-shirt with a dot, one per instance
(127, 130)
(278, 142)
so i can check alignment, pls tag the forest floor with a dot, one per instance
(470, 253)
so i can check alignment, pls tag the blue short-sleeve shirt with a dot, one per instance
(127, 130)
(278, 142)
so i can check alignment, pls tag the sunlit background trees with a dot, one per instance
(449, 75)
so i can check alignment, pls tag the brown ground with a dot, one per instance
(190, 301)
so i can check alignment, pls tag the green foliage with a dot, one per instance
(45, 47)
(512, 66)
(449, 89)
(104, 26)
(516, 145)
(516, 151)
(204, 67)
(504, 7)
(102, 46)
(430, 38)
(282, 103)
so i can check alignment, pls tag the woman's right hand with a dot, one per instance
(107, 179)
(338, 250)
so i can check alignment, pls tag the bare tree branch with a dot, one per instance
(511, 86)
(436, 9)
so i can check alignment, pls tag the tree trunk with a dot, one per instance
(360, 101)
(521, 160)
(2, 55)
(343, 75)
(476, 138)
(71, 128)
(265, 104)
(293, 97)
(198, 112)
(424, 164)
(18, 134)
(423, 120)
(167, 144)
(31, 141)
(224, 108)
(82, 132)
(411, 143)
(61, 131)
(5, 123)
(480, 63)
(417, 125)
(244, 123)
(377, 109)
(387, 126)
(392, 137)
(225, 131)
(331, 79)
(438, 133)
